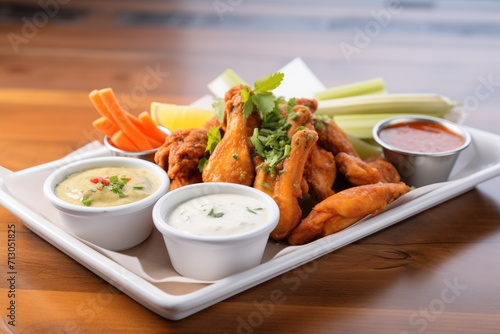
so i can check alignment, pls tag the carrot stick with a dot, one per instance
(120, 140)
(98, 103)
(136, 123)
(105, 126)
(155, 143)
(123, 121)
(152, 140)
(150, 127)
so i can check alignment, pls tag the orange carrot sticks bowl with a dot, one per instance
(144, 155)
(126, 135)
(107, 201)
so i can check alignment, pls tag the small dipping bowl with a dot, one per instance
(148, 155)
(114, 228)
(422, 160)
(208, 256)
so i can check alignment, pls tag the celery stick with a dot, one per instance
(372, 86)
(426, 104)
(227, 79)
(364, 149)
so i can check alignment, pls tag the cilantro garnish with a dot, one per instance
(271, 141)
(213, 138)
(253, 210)
(86, 200)
(116, 185)
(268, 83)
(201, 164)
(320, 120)
(266, 185)
(261, 97)
(214, 214)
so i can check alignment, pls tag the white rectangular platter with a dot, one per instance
(144, 273)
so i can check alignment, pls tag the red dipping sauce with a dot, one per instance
(421, 137)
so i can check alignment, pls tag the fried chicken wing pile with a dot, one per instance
(290, 153)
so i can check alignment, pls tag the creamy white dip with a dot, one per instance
(107, 186)
(218, 215)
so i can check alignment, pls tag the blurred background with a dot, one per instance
(79, 45)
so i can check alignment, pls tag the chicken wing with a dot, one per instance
(180, 155)
(320, 169)
(320, 173)
(288, 186)
(344, 209)
(373, 170)
(355, 170)
(263, 181)
(231, 161)
(333, 138)
(387, 172)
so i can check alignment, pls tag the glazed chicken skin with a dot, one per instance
(180, 156)
(387, 172)
(333, 138)
(344, 209)
(320, 173)
(356, 171)
(231, 161)
(288, 186)
(372, 170)
(320, 170)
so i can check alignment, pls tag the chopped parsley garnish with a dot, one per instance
(320, 120)
(261, 97)
(116, 185)
(113, 183)
(235, 156)
(138, 187)
(268, 83)
(271, 141)
(213, 138)
(86, 200)
(266, 185)
(201, 164)
(214, 214)
(253, 210)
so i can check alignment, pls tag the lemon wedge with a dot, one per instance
(175, 117)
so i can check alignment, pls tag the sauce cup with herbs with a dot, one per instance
(423, 149)
(212, 230)
(107, 201)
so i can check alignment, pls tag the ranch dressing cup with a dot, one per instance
(416, 166)
(211, 253)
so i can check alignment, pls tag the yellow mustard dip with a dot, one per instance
(107, 186)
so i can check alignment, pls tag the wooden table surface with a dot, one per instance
(436, 272)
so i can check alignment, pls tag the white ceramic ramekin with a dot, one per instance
(213, 257)
(116, 227)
